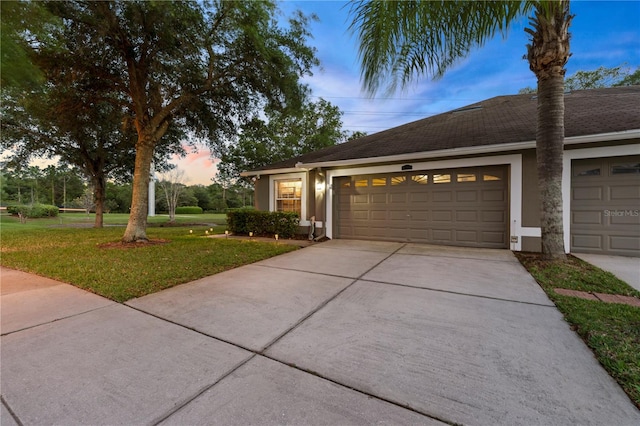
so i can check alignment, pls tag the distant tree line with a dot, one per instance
(64, 187)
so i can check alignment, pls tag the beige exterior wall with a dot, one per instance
(530, 192)
(261, 199)
(533, 244)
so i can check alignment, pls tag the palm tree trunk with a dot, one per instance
(137, 226)
(548, 54)
(549, 150)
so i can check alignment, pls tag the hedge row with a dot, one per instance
(189, 210)
(285, 224)
(33, 211)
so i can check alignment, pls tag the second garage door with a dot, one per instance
(462, 207)
(605, 206)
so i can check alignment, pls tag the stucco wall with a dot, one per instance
(533, 244)
(530, 192)
(261, 200)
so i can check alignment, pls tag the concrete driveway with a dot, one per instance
(343, 332)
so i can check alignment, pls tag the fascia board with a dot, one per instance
(489, 149)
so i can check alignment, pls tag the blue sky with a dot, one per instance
(603, 33)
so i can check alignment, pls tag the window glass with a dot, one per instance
(289, 195)
(346, 184)
(361, 183)
(488, 177)
(420, 179)
(590, 172)
(466, 177)
(379, 182)
(625, 168)
(442, 178)
(398, 180)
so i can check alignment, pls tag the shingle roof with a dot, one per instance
(495, 121)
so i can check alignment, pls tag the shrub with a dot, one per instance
(285, 224)
(33, 211)
(189, 210)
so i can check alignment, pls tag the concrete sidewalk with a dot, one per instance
(625, 268)
(342, 332)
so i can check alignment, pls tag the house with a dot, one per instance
(468, 177)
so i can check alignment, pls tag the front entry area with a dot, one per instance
(459, 207)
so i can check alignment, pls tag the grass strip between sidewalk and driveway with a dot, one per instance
(94, 260)
(611, 330)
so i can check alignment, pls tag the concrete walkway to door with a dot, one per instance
(343, 332)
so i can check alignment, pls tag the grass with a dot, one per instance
(78, 256)
(611, 330)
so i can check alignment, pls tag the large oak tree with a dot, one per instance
(201, 67)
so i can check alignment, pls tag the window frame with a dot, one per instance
(304, 196)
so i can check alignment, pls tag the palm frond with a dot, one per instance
(403, 40)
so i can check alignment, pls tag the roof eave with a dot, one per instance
(474, 150)
(271, 171)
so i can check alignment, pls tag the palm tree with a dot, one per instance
(402, 40)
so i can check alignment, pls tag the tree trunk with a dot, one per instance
(137, 226)
(99, 195)
(548, 54)
(549, 150)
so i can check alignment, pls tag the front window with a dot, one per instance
(289, 195)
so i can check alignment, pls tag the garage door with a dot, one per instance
(462, 207)
(605, 206)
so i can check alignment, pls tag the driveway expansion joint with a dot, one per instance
(13, 415)
(367, 394)
(550, 305)
(60, 319)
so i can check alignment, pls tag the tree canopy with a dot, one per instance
(281, 135)
(597, 79)
(202, 68)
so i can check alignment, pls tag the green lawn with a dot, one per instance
(611, 330)
(69, 250)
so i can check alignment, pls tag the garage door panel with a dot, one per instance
(587, 193)
(467, 196)
(494, 216)
(442, 216)
(625, 192)
(398, 198)
(399, 215)
(378, 215)
(360, 215)
(497, 237)
(418, 197)
(467, 236)
(587, 241)
(466, 216)
(446, 206)
(624, 218)
(442, 196)
(587, 217)
(442, 235)
(378, 198)
(624, 243)
(494, 195)
(421, 215)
